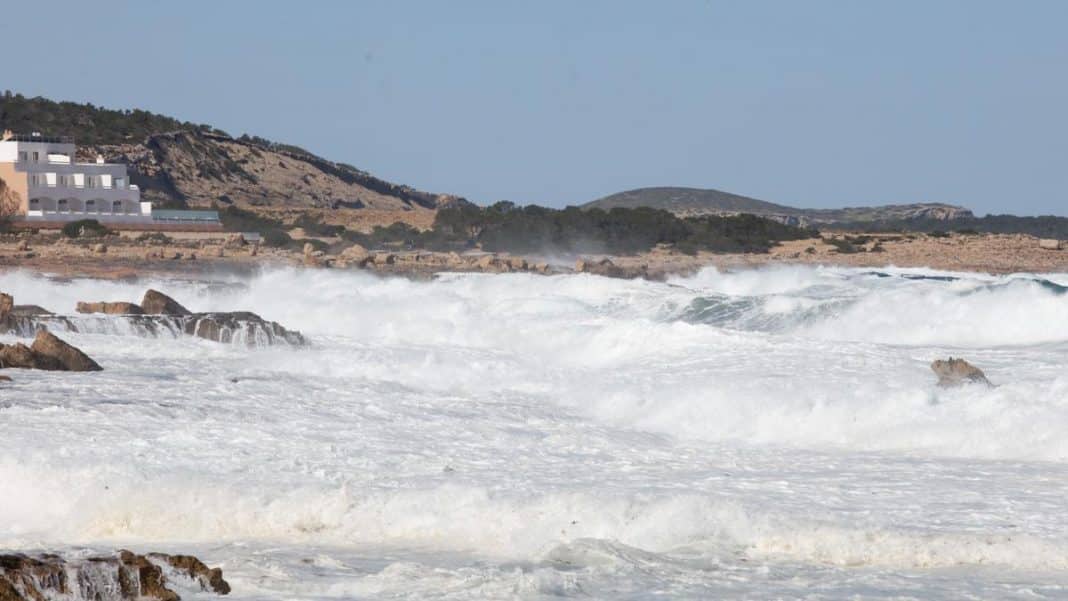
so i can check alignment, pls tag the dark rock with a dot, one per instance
(157, 303)
(30, 311)
(224, 327)
(955, 372)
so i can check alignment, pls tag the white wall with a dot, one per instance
(9, 152)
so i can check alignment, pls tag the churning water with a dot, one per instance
(772, 433)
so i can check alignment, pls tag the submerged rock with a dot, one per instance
(237, 325)
(48, 353)
(124, 576)
(157, 314)
(157, 303)
(955, 372)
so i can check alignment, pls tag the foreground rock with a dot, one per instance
(955, 372)
(48, 353)
(124, 576)
(158, 312)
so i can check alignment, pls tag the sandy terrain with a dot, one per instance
(127, 257)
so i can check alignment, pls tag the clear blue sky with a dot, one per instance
(817, 104)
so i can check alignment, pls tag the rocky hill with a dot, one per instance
(198, 168)
(695, 201)
(180, 164)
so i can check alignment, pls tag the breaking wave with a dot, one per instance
(780, 416)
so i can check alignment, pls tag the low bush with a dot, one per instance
(276, 238)
(85, 228)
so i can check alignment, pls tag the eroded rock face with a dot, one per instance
(955, 372)
(126, 576)
(68, 357)
(119, 308)
(157, 303)
(157, 314)
(48, 353)
(236, 325)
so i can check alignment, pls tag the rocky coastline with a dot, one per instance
(122, 257)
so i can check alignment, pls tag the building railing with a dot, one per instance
(43, 139)
(84, 187)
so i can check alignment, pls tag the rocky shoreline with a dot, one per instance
(130, 258)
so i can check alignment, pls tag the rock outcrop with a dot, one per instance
(124, 576)
(198, 168)
(48, 353)
(7, 318)
(158, 311)
(119, 308)
(158, 314)
(156, 303)
(955, 372)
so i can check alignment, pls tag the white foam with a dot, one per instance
(491, 429)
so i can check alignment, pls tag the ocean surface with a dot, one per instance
(764, 434)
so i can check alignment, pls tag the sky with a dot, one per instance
(812, 104)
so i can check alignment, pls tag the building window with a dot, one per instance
(36, 157)
(23, 156)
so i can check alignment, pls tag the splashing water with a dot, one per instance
(772, 433)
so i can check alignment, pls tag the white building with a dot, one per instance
(47, 184)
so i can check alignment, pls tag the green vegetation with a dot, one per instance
(844, 246)
(505, 227)
(276, 238)
(155, 238)
(85, 228)
(87, 123)
(236, 219)
(1045, 226)
(314, 225)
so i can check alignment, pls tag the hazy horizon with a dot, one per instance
(820, 105)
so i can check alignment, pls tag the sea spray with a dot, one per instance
(528, 435)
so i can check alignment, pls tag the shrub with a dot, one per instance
(844, 246)
(236, 219)
(85, 228)
(276, 238)
(154, 238)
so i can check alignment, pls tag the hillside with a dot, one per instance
(181, 164)
(695, 201)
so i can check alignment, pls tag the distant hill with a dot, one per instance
(182, 164)
(695, 201)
